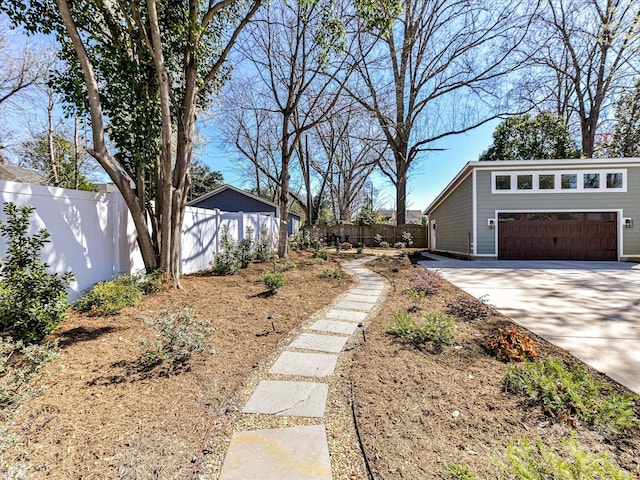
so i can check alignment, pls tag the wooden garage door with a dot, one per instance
(557, 236)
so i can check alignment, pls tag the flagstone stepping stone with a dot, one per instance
(348, 315)
(332, 326)
(322, 343)
(296, 399)
(304, 364)
(371, 285)
(361, 296)
(299, 453)
(355, 305)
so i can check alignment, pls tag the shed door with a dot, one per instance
(558, 236)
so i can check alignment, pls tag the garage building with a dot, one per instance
(580, 209)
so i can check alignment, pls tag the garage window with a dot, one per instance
(525, 182)
(571, 216)
(614, 180)
(569, 181)
(546, 181)
(591, 180)
(503, 182)
(560, 181)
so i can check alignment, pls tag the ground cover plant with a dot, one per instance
(111, 296)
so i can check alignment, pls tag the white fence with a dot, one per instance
(93, 236)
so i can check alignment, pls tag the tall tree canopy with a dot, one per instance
(141, 70)
(434, 73)
(625, 138)
(525, 138)
(584, 54)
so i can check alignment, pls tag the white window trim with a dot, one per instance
(557, 179)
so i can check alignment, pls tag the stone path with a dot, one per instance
(301, 452)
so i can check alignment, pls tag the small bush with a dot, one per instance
(573, 395)
(317, 260)
(227, 261)
(377, 240)
(424, 280)
(19, 364)
(323, 254)
(407, 239)
(301, 240)
(435, 327)
(399, 245)
(383, 244)
(346, 246)
(244, 249)
(110, 297)
(510, 345)
(457, 471)
(330, 273)
(272, 280)
(33, 301)
(360, 248)
(263, 249)
(179, 335)
(541, 462)
(416, 297)
(152, 282)
(285, 267)
(466, 307)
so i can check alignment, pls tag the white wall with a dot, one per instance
(93, 236)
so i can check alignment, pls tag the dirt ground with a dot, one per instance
(418, 410)
(101, 416)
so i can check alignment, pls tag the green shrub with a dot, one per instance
(360, 248)
(244, 249)
(226, 262)
(32, 301)
(573, 395)
(434, 327)
(330, 273)
(301, 240)
(285, 267)
(263, 249)
(466, 307)
(383, 244)
(108, 298)
(377, 240)
(19, 363)
(272, 280)
(179, 335)
(457, 471)
(323, 254)
(152, 282)
(527, 461)
(399, 245)
(416, 297)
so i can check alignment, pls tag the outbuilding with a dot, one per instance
(228, 198)
(580, 209)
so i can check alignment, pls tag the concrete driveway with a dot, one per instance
(591, 309)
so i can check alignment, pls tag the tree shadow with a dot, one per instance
(143, 368)
(82, 334)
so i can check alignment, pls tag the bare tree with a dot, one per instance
(350, 151)
(291, 46)
(20, 68)
(435, 72)
(585, 57)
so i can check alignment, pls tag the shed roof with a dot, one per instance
(225, 187)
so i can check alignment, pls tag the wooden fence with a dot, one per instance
(365, 235)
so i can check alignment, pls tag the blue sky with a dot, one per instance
(427, 177)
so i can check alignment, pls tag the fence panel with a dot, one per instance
(93, 235)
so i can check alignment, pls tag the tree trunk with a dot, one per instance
(100, 150)
(401, 186)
